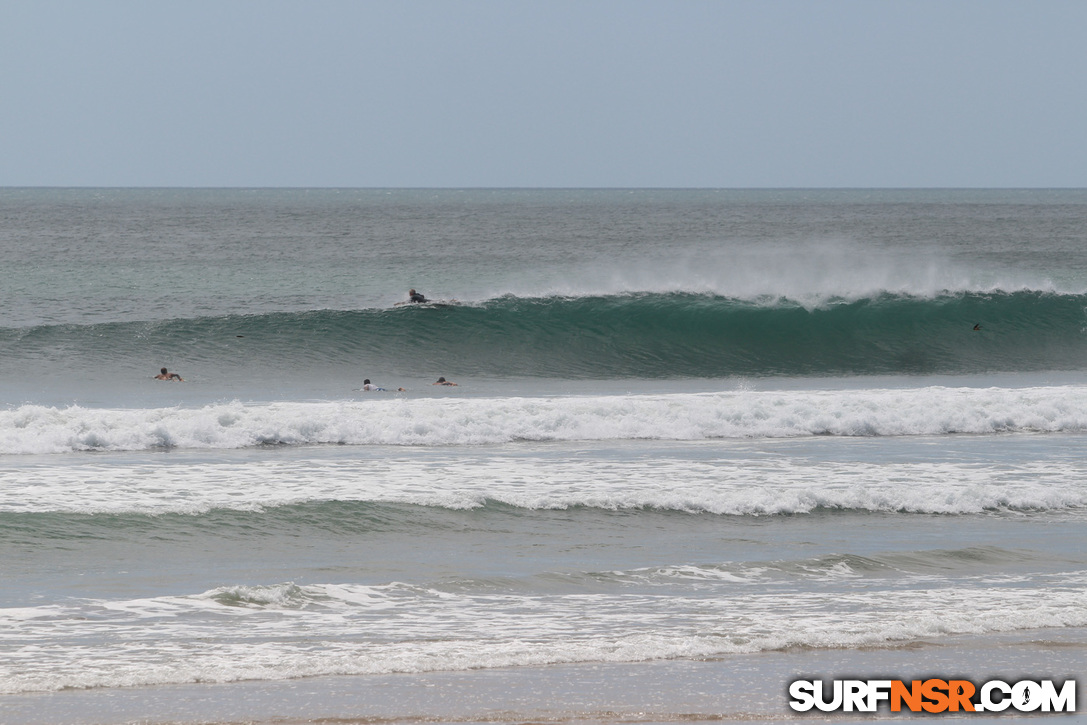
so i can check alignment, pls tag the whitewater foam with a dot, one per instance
(33, 429)
(717, 482)
(395, 628)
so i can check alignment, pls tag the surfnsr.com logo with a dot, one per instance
(933, 695)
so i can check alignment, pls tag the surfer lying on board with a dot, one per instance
(415, 298)
(370, 387)
(164, 374)
(442, 381)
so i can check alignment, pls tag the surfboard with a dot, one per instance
(428, 303)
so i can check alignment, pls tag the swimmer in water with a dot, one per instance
(164, 374)
(443, 381)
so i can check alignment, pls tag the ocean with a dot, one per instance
(702, 443)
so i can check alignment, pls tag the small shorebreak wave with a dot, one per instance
(397, 628)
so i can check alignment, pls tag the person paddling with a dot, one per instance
(165, 374)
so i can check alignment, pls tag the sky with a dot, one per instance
(544, 93)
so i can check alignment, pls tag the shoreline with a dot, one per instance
(749, 687)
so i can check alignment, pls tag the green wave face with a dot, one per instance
(679, 335)
(636, 335)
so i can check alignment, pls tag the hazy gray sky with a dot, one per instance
(570, 93)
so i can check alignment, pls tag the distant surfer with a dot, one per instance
(443, 381)
(414, 296)
(370, 387)
(977, 327)
(165, 374)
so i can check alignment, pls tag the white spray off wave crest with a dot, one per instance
(811, 273)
